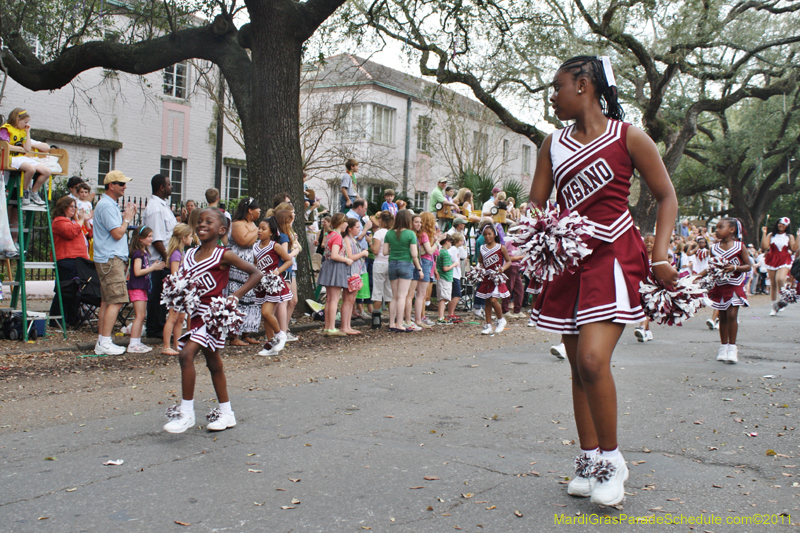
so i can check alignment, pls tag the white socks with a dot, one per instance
(611, 455)
(225, 408)
(590, 454)
(101, 339)
(134, 342)
(187, 406)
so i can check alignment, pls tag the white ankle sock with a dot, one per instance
(187, 406)
(135, 341)
(225, 408)
(590, 454)
(610, 455)
(102, 339)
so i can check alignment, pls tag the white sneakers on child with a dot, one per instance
(219, 421)
(643, 335)
(501, 325)
(179, 421)
(610, 476)
(139, 348)
(279, 341)
(582, 484)
(728, 353)
(487, 329)
(560, 351)
(106, 347)
(712, 324)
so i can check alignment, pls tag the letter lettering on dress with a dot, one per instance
(594, 177)
(604, 170)
(576, 190)
(587, 188)
(568, 198)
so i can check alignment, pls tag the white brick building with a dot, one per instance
(164, 122)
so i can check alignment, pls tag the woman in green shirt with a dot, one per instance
(400, 246)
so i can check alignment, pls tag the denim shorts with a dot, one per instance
(456, 288)
(401, 270)
(427, 271)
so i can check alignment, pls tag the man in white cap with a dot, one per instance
(111, 257)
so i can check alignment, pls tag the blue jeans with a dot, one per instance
(427, 267)
(401, 270)
(343, 203)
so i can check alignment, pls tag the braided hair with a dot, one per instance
(592, 68)
(736, 224)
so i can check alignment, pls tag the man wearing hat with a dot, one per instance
(486, 210)
(111, 257)
(437, 196)
(459, 224)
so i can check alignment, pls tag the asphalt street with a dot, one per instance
(473, 442)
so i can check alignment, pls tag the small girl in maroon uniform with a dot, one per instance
(780, 244)
(208, 265)
(493, 256)
(267, 256)
(728, 294)
(590, 163)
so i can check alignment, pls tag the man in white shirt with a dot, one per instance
(486, 210)
(159, 217)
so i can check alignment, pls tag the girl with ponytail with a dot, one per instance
(590, 163)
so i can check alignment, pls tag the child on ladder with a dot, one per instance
(181, 238)
(19, 132)
(139, 284)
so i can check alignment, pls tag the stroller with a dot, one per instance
(84, 291)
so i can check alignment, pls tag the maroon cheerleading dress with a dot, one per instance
(212, 280)
(594, 180)
(267, 260)
(779, 254)
(492, 259)
(728, 292)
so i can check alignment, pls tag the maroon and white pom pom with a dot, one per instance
(496, 277)
(715, 273)
(222, 317)
(551, 242)
(789, 294)
(271, 283)
(180, 292)
(672, 305)
(475, 275)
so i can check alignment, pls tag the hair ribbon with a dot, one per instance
(608, 71)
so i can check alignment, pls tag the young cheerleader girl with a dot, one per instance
(493, 256)
(139, 284)
(728, 294)
(209, 264)
(591, 164)
(181, 238)
(781, 245)
(270, 256)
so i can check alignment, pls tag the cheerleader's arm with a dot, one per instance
(542, 184)
(765, 238)
(231, 259)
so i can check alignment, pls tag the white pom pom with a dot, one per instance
(552, 242)
(271, 283)
(180, 292)
(715, 273)
(222, 317)
(789, 294)
(476, 275)
(672, 305)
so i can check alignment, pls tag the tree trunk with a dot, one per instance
(645, 211)
(272, 124)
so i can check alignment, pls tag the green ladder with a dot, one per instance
(25, 213)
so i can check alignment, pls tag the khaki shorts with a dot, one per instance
(113, 289)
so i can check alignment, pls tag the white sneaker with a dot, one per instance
(178, 420)
(487, 329)
(268, 350)
(610, 476)
(582, 484)
(722, 354)
(716, 323)
(501, 325)
(733, 354)
(36, 199)
(648, 335)
(710, 323)
(139, 348)
(531, 323)
(108, 348)
(26, 197)
(774, 311)
(291, 337)
(478, 312)
(279, 341)
(219, 421)
(412, 326)
(560, 351)
(639, 333)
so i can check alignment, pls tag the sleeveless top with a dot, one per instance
(492, 257)
(212, 279)
(16, 137)
(266, 258)
(733, 256)
(594, 179)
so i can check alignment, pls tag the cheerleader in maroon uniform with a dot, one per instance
(494, 257)
(207, 265)
(728, 294)
(780, 244)
(266, 256)
(591, 163)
